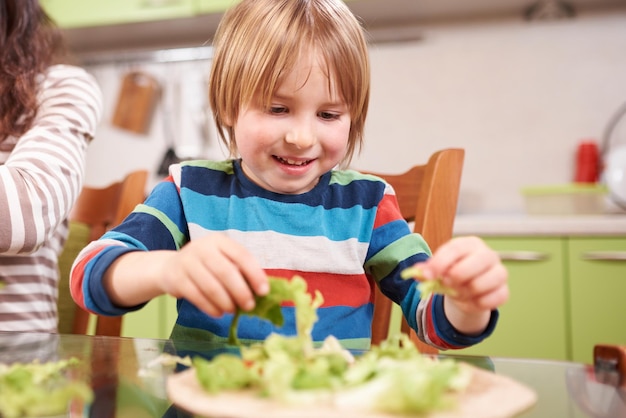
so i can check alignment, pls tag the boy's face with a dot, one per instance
(303, 134)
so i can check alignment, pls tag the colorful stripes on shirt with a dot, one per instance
(345, 236)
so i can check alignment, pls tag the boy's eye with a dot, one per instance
(278, 110)
(328, 115)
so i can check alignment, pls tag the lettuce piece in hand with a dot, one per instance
(268, 306)
(426, 287)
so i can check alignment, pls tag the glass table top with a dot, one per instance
(127, 383)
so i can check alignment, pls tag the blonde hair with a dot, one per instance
(258, 41)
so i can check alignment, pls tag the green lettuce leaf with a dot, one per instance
(224, 372)
(40, 389)
(268, 306)
(392, 377)
(426, 287)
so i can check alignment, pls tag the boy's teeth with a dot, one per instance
(292, 162)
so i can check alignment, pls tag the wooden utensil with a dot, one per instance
(136, 102)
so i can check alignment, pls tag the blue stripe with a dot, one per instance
(409, 305)
(449, 334)
(295, 219)
(343, 322)
(95, 297)
(143, 230)
(352, 190)
(384, 234)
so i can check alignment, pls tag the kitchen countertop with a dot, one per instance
(521, 224)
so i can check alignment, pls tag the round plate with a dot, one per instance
(488, 395)
(615, 174)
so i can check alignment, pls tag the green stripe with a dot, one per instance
(356, 343)
(179, 237)
(182, 333)
(383, 262)
(345, 177)
(225, 166)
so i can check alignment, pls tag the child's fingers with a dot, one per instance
(248, 267)
(445, 257)
(461, 260)
(483, 284)
(492, 299)
(197, 295)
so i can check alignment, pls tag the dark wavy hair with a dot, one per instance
(29, 43)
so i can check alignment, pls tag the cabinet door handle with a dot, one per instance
(523, 256)
(604, 255)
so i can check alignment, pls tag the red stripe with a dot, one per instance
(430, 328)
(78, 276)
(352, 290)
(388, 210)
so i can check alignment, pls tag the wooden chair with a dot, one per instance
(428, 196)
(96, 211)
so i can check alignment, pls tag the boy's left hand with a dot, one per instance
(475, 272)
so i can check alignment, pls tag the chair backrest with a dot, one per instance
(428, 196)
(96, 211)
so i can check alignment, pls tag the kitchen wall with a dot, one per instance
(518, 96)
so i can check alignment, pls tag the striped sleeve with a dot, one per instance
(42, 175)
(392, 249)
(157, 224)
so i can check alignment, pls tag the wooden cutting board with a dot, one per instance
(136, 102)
(489, 395)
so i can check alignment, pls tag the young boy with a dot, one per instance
(289, 89)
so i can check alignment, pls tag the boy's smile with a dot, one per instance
(303, 133)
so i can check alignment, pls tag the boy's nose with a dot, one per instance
(301, 136)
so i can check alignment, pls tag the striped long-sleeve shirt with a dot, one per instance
(343, 237)
(41, 175)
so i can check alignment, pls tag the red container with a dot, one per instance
(587, 162)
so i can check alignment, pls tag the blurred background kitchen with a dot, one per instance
(518, 84)
(521, 85)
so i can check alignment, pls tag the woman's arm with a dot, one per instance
(42, 175)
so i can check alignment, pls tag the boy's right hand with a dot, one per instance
(216, 274)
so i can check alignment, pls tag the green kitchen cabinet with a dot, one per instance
(597, 289)
(217, 6)
(155, 320)
(214, 6)
(566, 295)
(85, 13)
(534, 322)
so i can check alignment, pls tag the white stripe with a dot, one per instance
(29, 325)
(39, 339)
(18, 233)
(29, 288)
(22, 307)
(318, 254)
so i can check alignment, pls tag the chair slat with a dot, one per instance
(101, 209)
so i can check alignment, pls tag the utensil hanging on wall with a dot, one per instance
(170, 106)
(136, 102)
